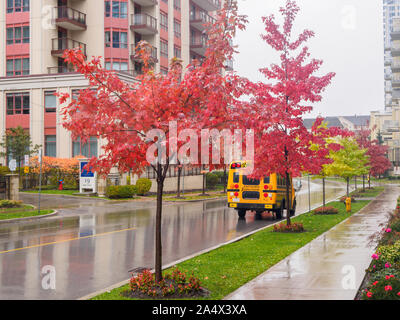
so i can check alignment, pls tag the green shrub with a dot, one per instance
(395, 225)
(389, 254)
(211, 180)
(326, 210)
(386, 288)
(120, 192)
(143, 185)
(10, 204)
(220, 175)
(4, 171)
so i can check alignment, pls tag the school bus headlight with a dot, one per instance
(233, 205)
(268, 206)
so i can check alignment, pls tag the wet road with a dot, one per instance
(93, 244)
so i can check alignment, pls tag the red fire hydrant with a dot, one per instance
(60, 185)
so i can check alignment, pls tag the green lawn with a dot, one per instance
(369, 193)
(22, 212)
(226, 269)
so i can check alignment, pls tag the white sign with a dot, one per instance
(87, 178)
(26, 160)
(40, 155)
(13, 165)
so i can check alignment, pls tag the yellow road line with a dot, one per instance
(67, 240)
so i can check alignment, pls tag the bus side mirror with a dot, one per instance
(298, 185)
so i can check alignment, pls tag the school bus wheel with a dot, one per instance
(241, 213)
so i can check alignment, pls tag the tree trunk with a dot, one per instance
(369, 181)
(363, 182)
(323, 192)
(355, 182)
(158, 245)
(179, 181)
(204, 181)
(348, 184)
(288, 199)
(224, 179)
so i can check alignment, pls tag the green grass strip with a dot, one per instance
(369, 193)
(229, 267)
(22, 214)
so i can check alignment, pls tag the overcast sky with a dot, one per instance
(349, 39)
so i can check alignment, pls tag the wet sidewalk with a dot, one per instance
(332, 266)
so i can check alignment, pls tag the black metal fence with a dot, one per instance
(4, 187)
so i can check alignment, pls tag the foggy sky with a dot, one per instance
(349, 39)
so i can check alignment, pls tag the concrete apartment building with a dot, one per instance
(35, 33)
(386, 124)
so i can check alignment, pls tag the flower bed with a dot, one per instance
(382, 281)
(294, 227)
(174, 285)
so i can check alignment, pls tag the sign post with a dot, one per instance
(40, 176)
(87, 178)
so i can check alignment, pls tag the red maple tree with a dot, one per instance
(122, 114)
(378, 159)
(281, 139)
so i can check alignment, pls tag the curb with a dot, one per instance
(199, 200)
(124, 282)
(55, 212)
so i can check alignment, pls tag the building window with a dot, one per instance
(17, 67)
(164, 48)
(17, 35)
(117, 64)
(164, 21)
(177, 28)
(88, 149)
(17, 6)
(119, 9)
(50, 101)
(50, 146)
(18, 103)
(107, 8)
(119, 39)
(177, 5)
(177, 52)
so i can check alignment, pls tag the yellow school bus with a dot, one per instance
(268, 194)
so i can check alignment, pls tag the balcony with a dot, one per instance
(395, 50)
(396, 82)
(388, 77)
(60, 69)
(153, 54)
(388, 61)
(198, 45)
(59, 45)
(200, 19)
(146, 3)
(208, 5)
(144, 24)
(395, 67)
(70, 19)
(395, 34)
